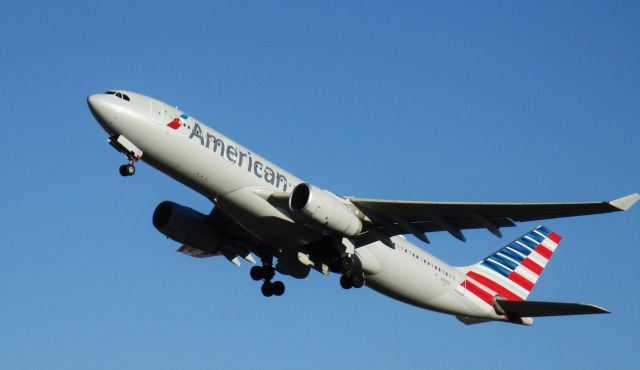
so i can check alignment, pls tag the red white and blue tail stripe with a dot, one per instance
(514, 270)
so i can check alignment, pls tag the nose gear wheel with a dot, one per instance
(127, 169)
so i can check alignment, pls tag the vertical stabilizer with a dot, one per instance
(513, 271)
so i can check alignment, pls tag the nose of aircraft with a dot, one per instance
(105, 110)
(99, 106)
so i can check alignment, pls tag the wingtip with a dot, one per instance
(598, 309)
(625, 203)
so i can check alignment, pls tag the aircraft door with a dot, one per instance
(157, 111)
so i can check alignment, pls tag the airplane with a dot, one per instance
(293, 226)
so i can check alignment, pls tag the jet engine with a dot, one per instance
(324, 210)
(186, 226)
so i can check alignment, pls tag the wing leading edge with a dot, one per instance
(394, 217)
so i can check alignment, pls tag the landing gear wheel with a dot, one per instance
(267, 289)
(357, 281)
(347, 264)
(335, 265)
(256, 273)
(267, 272)
(345, 282)
(278, 288)
(127, 170)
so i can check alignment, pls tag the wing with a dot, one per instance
(237, 241)
(394, 217)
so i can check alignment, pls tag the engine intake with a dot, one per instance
(324, 210)
(186, 226)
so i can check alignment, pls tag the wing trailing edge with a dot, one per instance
(391, 217)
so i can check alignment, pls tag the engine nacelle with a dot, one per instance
(324, 209)
(186, 226)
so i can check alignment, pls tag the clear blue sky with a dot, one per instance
(538, 101)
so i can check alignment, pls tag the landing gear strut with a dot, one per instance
(266, 272)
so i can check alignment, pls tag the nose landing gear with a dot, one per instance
(126, 147)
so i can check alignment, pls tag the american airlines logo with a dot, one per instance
(176, 123)
(238, 157)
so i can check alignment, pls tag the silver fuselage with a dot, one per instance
(239, 181)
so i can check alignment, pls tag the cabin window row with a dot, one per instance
(428, 263)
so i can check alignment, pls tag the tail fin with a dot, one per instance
(513, 271)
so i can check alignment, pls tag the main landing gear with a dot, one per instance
(352, 275)
(266, 272)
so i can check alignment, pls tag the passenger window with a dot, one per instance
(110, 92)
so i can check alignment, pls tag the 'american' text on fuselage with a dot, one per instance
(236, 156)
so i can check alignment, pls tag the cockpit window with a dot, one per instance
(119, 95)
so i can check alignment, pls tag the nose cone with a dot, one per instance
(105, 110)
(100, 107)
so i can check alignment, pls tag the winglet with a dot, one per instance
(625, 203)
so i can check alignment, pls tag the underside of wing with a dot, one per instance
(393, 217)
(237, 242)
(194, 252)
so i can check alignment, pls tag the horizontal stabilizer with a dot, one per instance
(467, 320)
(536, 309)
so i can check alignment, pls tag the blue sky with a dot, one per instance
(405, 100)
